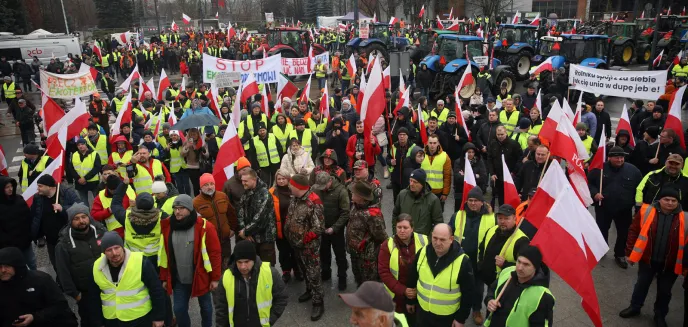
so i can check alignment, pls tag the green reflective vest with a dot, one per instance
(263, 293)
(100, 148)
(9, 90)
(148, 244)
(269, 156)
(111, 222)
(509, 123)
(507, 251)
(442, 117)
(125, 159)
(40, 167)
(588, 146)
(177, 163)
(82, 168)
(440, 294)
(118, 103)
(143, 181)
(487, 221)
(319, 128)
(306, 137)
(128, 299)
(419, 241)
(282, 136)
(526, 304)
(521, 138)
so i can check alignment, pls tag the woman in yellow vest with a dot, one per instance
(282, 129)
(177, 163)
(535, 121)
(122, 154)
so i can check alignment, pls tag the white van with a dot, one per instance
(45, 47)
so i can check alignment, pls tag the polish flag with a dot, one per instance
(673, 119)
(570, 147)
(393, 21)
(683, 11)
(75, 120)
(459, 114)
(516, 18)
(57, 144)
(212, 100)
(172, 119)
(361, 93)
(134, 75)
(123, 117)
(186, 19)
(351, 65)
(421, 124)
(579, 110)
(642, 15)
(466, 78)
(163, 84)
(342, 27)
(96, 50)
(625, 124)
(571, 246)
(230, 150)
(597, 161)
(510, 193)
(374, 17)
(451, 13)
(123, 38)
(404, 101)
(568, 111)
(325, 103)
(231, 32)
(551, 184)
(669, 11)
(544, 66)
(285, 88)
(86, 68)
(454, 26)
(469, 181)
(575, 25)
(306, 89)
(150, 86)
(182, 87)
(536, 20)
(250, 88)
(52, 113)
(264, 101)
(311, 60)
(371, 61)
(174, 26)
(54, 169)
(372, 107)
(386, 79)
(677, 59)
(236, 108)
(217, 14)
(402, 86)
(538, 102)
(3, 163)
(549, 126)
(439, 23)
(422, 11)
(658, 59)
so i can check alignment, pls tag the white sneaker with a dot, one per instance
(386, 172)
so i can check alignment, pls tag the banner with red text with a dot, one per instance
(299, 66)
(67, 86)
(265, 70)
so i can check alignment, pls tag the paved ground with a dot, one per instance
(613, 285)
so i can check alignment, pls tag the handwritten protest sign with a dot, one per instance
(265, 70)
(67, 86)
(230, 79)
(299, 66)
(642, 84)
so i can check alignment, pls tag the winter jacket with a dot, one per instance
(371, 151)
(618, 186)
(93, 172)
(32, 292)
(201, 278)
(245, 308)
(528, 101)
(479, 170)
(100, 214)
(256, 215)
(512, 153)
(15, 221)
(590, 120)
(650, 122)
(219, 211)
(234, 190)
(446, 171)
(637, 117)
(336, 205)
(528, 177)
(399, 153)
(543, 315)
(338, 144)
(641, 155)
(304, 223)
(489, 249)
(293, 163)
(425, 208)
(486, 134)
(652, 184)
(453, 147)
(334, 170)
(423, 77)
(50, 228)
(365, 231)
(407, 253)
(603, 120)
(409, 166)
(664, 151)
(672, 245)
(628, 148)
(75, 253)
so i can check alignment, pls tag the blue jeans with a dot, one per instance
(381, 156)
(424, 91)
(29, 257)
(665, 281)
(182, 294)
(321, 83)
(181, 180)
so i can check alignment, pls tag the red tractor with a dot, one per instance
(290, 42)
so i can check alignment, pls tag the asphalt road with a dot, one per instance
(613, 285)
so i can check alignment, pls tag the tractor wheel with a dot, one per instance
(644, 55)
(623, 54)
(376, 48)
(520, 63)
(505, 77)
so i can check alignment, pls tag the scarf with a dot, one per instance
(184, 224)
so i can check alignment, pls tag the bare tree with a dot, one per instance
(490, 8)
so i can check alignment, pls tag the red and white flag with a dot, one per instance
(669, 11)
(549, 126)
(678, 57)
(374, 17)
(439, 23)
(212, 100)
(230, 150)
(574, 28)
(158, 125)
(86, 68)
(658, 59)
(466, 78)
(172, 119)
(325, 103)
(351, 65)
(57, 144)
(393, 21)
(536, 20)
(250, 88)
(571, 246)
(569, 146)
(683, 11)
(311, 58)
(544, 66)
(3, 162)
(510, 193)
(402, 85)
(174, 26)
(217, 14)
(285, 89)
(52, 113)
(454, 26)
(421, 126)
(150, 86)
(516, 18)
(422, 11)
(386, 78)
(469, 181)
(673, 119)
(579, 110)
(568, 111)
(642, 15)
(75, 120)
(597, 161)
(305, 92)
(459, 114)
(231, 32)
(538, 102)
(163, 85)
(264, 101)
(451, 13)
(625, 124)
(134, 75)
(123, 117)
(361, 93)
(54, 169)
(96, 50)
(186, 19)
(372, 107)
(404, 101)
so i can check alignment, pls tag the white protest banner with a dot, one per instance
(482, 61)
(299, 66)
(642, 84)
(265, 70)
(68, 86)
(363, 32)
(269, 17)
(231, 79)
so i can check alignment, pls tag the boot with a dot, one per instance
(629, 312)
(286, 276)
(326, 275)
(660, 321)
(317, 311)
(342, 284)
(621, 262)
(305, 296)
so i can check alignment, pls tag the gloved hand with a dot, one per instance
(309, 237)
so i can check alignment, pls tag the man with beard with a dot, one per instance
(499, 248)
(528, 177)
(656, 118)
(30, 297)
(76, 250)
(215, 207)
(256, 216)
(265, 153)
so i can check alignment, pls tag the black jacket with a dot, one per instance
(487, 133)
(74, 256)
(338, 144)
(664, 151)
(641, 156)
(423, 78)
(410, 127)
(649, 122)
(409, 165)
(465, 278)
(32, 292)
(603, 119)
(512, 154)
(528, 177)
(453, 147)
(637, 117)
(488, 251)
(543, 315)
(400, 156)
(479, 170)
(654, 181)
(50, 226)
(15, 220)
(618, 186)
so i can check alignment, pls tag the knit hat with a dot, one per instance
(616, 151)
(652, 131)
(476, 193)
(490, 99)
(183, 200)
(46, 180)
(300, 182)
(669, 191)
(159, 187)
(144, 201)
(420, 176)
(244, 250)
(243, 163)
(260, 125)
(531, 253)
(76, 209)
(110, 239)
(402, 130)
(524, 123)
(32, 149)
(112, 182)
(81, 141)
(581, 126)
(206, 178)
(658, 109)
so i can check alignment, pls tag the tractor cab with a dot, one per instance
(567, 24)
(426, 43)
(290, 42)
(588, 50)
(515, 46)
(618, 30)
(514, 34)
(380, 31)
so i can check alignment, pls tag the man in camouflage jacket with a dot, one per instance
(361, 173)
(303, 227)
(256, 216)
(364, 232)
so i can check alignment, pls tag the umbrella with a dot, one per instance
(193, 121)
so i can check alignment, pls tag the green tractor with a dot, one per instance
(670, 30)
(623, 38)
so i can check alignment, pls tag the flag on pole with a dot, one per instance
(325, 103)
(361, 93)
(422, 11)
(536, 20)
(3, 162)
(372, 107)
(56, 145)
(511, 196)
(386, 78)
(374, 17)
(625, 125)
(163, 84)
(217, 14)
(459, 115)
(351, 65)
(570, 147)
(439, 23)
(230, 150)
(451, 13)
(186, 19)
(231, 32)
(250, 88)
(123, 117)
(544, 66)
(516, 18)
(134, 75)
(469, 180)
(306, 89)
(421, 126)
(658, 59)
(673, 119)
(597, 161)
(174, 26)
(54, 169)
(393, 21)
(96, 50)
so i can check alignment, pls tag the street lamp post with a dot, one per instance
(65, 16)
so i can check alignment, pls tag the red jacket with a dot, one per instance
(672, 251)
(100, 214)
(407, 255)
(201, 279)
(367, 149)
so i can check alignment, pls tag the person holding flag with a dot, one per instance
(33, 164)
(512, 153)
(477, 166)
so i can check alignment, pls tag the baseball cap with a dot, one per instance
(506, 209)
(674, 157)
(370, 295)
(321, 180)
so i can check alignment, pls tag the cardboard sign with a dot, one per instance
(642, 84)
(482, 61)
(67, 86)
(265, 70)
(363, 30)
(269, 17)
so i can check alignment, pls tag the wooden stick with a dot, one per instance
(499, 296)
(657, 153)
(601, 178)
(57, 195)
(542, 174)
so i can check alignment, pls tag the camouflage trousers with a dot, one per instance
(309, 262)
(364, 269)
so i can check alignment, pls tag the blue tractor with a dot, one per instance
(379, 41)
(515, 45)
(448, 61)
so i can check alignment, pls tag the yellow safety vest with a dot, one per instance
(106, 60)
(305, 141)
(100, 148)
(435, 170)
(319, 128)
(507, 251)
(126, 158)
(111, 222)
(521, 138)
(528, 301)
(40, 167)
(128, 299)
(162, 254)
(442, 117)
(441, 294)
(143, 181)
(535, 130)
(263, 155)
(263, 293)
(249, 122)
(148, 244)
(174, 93)
(282, 137)
(320, 71)
(10, 92)
(162, 140)
(84, 167)
(177, 163)
(420, 241)
(487, 221)
(588, 146)
(167, 206)
(511, 123)
(118, 103)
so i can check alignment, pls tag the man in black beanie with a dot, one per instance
(527, 277)
(418, 201)
(241, 281)
(395, 159)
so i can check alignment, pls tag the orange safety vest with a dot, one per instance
(278, 218)
(346, 126)
(335, 64)
(648, 216)
(521, 211)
